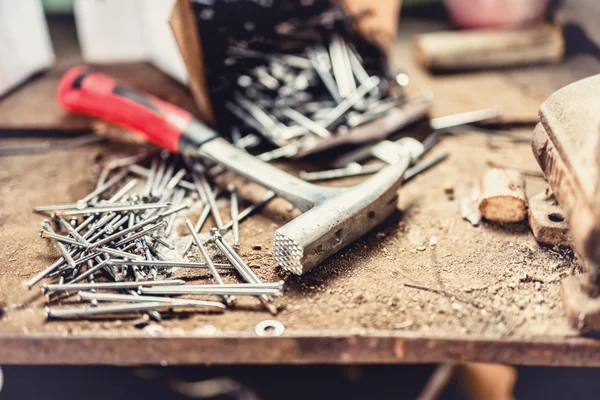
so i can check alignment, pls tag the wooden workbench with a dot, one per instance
(352, 309)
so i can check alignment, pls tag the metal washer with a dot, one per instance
(262, 328)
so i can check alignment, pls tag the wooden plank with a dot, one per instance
(300, 348)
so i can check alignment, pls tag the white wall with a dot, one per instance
(25, 46)
(123, 31)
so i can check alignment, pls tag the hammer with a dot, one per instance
(332, 217)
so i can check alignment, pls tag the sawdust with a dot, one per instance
(512, 283)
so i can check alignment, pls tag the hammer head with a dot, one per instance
(341, 218)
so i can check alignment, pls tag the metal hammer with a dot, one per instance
(332, 217)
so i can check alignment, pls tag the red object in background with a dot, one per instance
(85, 91)
(495, 13)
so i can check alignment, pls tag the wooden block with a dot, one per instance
(566, 144)
(503, 196)
(487, 49)
(581, 302)
(547, 220)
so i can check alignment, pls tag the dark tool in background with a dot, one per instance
(333, 217)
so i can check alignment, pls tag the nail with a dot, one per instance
(197, 228)
(324, 74)
(129, 298)
(179, 264)
(251, 209)
(127, 161)
(217, 290)
(151, 176)
(307, 123)
(59, 238)
(230, 300)
(242, 268)
(89, 311)
(123, 191)
(286, 151)
(234, 215)
(71, 231)
(350, 101)
(117, 253)
(162, 166)
(355, 169)
(115, 208)
(63, 250)
(165, 179)
(141, 233)
(108, 286)
(87, 273)
(174, 181)
(145, 172)
(202, 184)
(110, 183)
(162, 241)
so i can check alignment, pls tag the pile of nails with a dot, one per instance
(296, 71)
(115, 243)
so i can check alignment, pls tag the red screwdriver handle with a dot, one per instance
(85, 91)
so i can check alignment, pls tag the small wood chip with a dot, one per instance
(503, 196)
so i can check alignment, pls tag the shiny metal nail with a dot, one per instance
(230, 300)
(306, 122)
(110, 183)
(70, 313)
(197, 228)
(335, 114)
(71, 231)
(218, 290)
(129, 298)
(141, 233)
(114, 208)
(108, 285)
(234, 216)
(168, 264)
(203, 185)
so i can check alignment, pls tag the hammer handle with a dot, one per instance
(85, 91)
